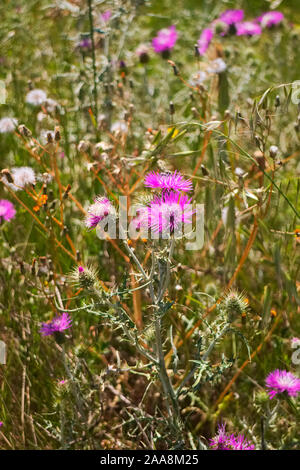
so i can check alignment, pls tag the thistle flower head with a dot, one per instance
(7, 210)
(217, 66)
(101, 209)
(205, 40)
(169, 181)
(169, 213)
(295, 341)
(8, 124)
(271, 18)
(226, 441)
(235, 305)
(280, 381)
(22, 176)
(84, 276)
(119, 127)
(198, 78)
(232, 16)
(248, 28)
(58, 324)
(165, 39)
(36, 97)
(105, 16)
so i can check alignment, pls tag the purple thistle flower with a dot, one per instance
(58, 324)
(98, 211)
(225, 441)
(106, 16)
(271, 18)
(295, 341)
(280, 381)
(7, 210)
(232, 16)
(85, 43)
(174, 181)
(165, 39)
(1, 424)
(169, 212)
(248, 28)
(204, 40)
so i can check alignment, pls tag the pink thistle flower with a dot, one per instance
(174, 181)
(271, 18)
(225, 441)
(98, 211)
(85, 43)
(205, 40)
(58, 324)
(105, 16)
(165, 39)
(80, 269)
(232, 16)
(169, 212)
(248, 28)
(7, 210)
(280, 381)
(1, 424)
(295, 341)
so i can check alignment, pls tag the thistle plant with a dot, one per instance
(149, 225)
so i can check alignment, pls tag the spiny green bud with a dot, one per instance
(85, 277)
(261, 397)
(211, 289)
(235, 305)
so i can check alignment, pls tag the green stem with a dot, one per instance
(95, 92)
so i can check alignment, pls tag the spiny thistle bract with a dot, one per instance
(85, 277)
(234, 305)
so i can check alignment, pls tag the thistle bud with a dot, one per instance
(235, 305)
(277, 101)
(85, 277)
(205, 172)
(172, 107)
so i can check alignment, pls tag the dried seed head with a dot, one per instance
(6, 173)
(83, 146)
(57, 135)
(49, 138)
(205, 172)
(273, 151)
(24, 131)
